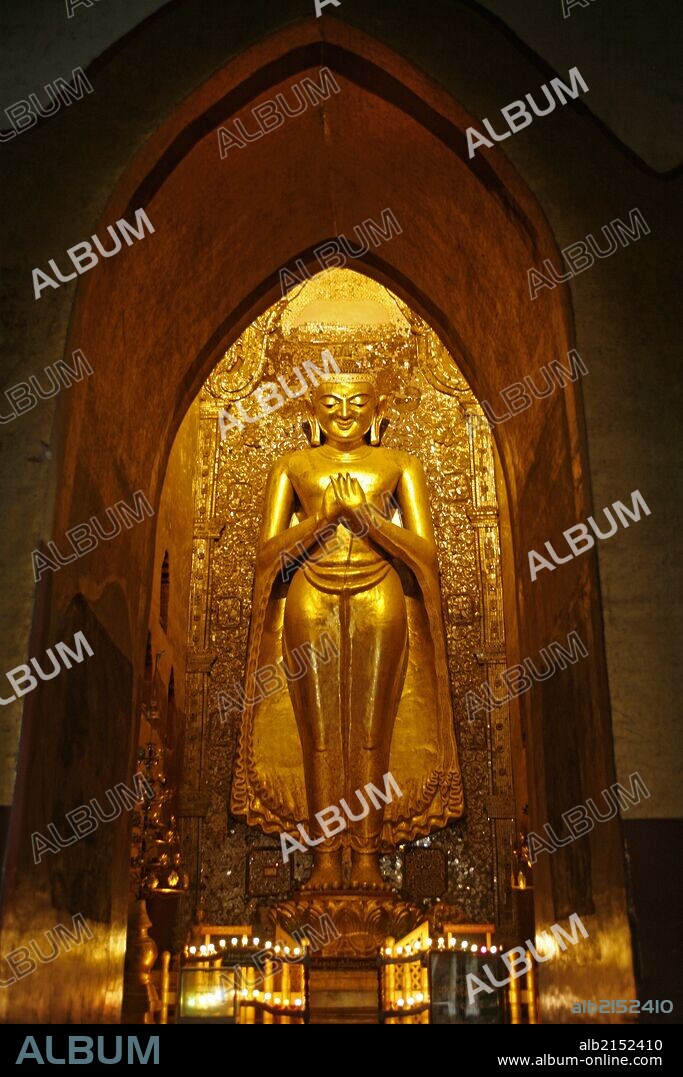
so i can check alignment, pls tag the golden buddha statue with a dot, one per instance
(379, 704)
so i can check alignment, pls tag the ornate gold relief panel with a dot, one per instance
(432, 415)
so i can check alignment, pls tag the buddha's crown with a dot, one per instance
(347, 370)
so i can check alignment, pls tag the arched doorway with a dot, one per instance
(160, 315)
(210, 511)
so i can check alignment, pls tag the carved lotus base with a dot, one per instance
(362, 919)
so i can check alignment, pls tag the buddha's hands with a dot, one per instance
(349, 492)
(344, 499)
(351, 498)
(331, 508)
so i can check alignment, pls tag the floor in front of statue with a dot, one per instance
(344, 996)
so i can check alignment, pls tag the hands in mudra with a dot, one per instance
(343, 501)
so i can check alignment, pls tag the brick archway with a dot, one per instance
(161, 313)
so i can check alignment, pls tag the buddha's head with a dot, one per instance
(345, 410)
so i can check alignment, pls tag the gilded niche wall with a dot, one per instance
(433, 415)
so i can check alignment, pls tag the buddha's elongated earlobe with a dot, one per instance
(312, 429)
(316, 432)
(376, 425)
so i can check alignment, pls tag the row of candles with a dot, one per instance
(277, 996)
(400, 1003)
(210, 999)
(409, 950)
(423, 945)
(405, 1003)
(245, 943)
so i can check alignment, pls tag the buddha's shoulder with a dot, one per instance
(300, 457)
(293, 461)
(404, 460)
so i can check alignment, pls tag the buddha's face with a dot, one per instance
(345, 410)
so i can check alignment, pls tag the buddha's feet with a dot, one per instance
(365, 873)
(326, 874)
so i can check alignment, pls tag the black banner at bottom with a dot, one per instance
(506, 1046)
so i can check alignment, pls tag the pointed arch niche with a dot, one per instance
(434, 415)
